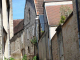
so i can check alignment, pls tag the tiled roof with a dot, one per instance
(58, 0)
(53, 14)
(18, 25)
(39, 6)
(16, 22)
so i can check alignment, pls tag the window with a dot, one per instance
(23, 52)
(29, 14)
(33, 30)
(22, 38)
(27, 34)
(28, 49)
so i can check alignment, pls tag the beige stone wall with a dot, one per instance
(55, 48)
(43, 47)
(70, 40)
(16, 45)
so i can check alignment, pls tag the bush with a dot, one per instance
(24, 57)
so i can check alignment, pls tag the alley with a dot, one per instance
(39, 30)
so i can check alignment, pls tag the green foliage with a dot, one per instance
(33, 40)
(62, 19)
(5, 59)
(24, 57)
(65, 11)
(11, 58)
(42, 31)
(35, 58)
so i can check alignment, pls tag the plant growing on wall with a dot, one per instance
(42, 31)
(5, 59)
(11, 58)
(35, 58)
(62, 19)
(33, 40)
(65, 12)
(24, 57)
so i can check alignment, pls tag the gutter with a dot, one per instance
(78, 22)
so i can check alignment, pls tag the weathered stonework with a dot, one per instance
(55, 48)
(70, 41)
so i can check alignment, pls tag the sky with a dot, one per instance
(18, 9)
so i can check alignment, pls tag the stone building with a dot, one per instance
(23, 35)
(29, 27)
(65, 44)
(48, 22)
(53, 15)
(6, 27)
(17, 41)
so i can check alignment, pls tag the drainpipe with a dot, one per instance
(78, 22)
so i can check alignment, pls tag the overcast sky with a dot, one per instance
(18, 9)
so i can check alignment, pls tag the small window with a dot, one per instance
(28, 49)
(22, 38)
(27, 34)
(33, 30)
(29, 14)
(23, 52)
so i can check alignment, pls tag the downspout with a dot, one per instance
(78, 22)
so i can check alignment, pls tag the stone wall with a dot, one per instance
(70, 41)
(55, 48)
(16, 45)
(42, 48)
(29, 27)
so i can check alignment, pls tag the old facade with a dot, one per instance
(66, 38)
(26, 34)
(6, 26)
(17, 41)
(29, 27)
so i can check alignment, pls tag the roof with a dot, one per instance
(53, 13)
(16, 22)
(18, 25)
(39, 6)
(57, 0)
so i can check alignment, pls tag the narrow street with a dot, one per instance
(39, 30)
